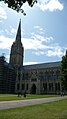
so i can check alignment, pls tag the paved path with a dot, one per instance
(21, 103)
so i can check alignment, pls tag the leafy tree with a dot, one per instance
(64, 72)
(17, 4)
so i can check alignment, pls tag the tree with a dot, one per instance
(17, 4)
(64, 72)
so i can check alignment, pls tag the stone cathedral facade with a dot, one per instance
(34, 79)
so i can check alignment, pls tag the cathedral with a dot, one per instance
(15, 77)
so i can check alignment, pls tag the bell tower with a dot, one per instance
(17, 49)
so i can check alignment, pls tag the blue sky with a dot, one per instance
(44, 31)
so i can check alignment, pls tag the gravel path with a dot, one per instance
(21, 103)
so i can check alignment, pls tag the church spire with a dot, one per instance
(18, 36)
(17, 49)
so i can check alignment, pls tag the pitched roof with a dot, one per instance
(43, 65)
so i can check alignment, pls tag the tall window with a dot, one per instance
(18, 86)
(55, 86)
(27, 87)
(58, 86)
(23, 86)
(18, 75)
(45, 86)
(50, 86)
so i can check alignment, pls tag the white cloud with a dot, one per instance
(50, 5)
(30, 63)
(10, 32)
(50, 52)
(36, 27)
(2, 13)
(46, 46)
(43, 46)
(5, 42)
(39, 45)
(7, 57)
(13, 31)
(36, 42)
(39, 52)
(1, 31)
(39, 30)
(57, 51)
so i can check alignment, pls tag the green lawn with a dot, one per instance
(8, 97)
(52, 110)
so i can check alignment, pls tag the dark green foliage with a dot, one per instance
(64, 72)
(17, 4)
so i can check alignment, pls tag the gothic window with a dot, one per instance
(45, 86)
(23, 86)
(57, 73)
(58, 86)
(54, 73)
(46, 75)
(18, 86)
(18, 76)
(26, 75)
(55, 86)
(50, 86)
(41, 75)
(23, 77)
(27, 87)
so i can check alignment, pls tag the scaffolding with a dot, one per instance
(7, 77)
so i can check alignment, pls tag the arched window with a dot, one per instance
(18, 86)
(23, 86)
(45, 86)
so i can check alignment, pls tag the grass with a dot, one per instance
(9, 97)
(52, 110)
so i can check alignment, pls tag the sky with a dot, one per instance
(43, 30)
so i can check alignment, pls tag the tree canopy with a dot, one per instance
(64, 72)
(17, 4)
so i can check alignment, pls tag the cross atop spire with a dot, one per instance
(18, 36)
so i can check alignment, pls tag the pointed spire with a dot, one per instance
(18, 36)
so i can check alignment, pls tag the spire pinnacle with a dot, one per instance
(18, 36)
